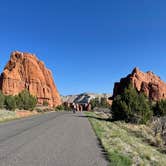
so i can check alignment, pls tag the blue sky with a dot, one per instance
(88, 44)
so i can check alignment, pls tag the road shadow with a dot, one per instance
(97, 118)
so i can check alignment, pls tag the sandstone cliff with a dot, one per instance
(24, 70)
(148, 83)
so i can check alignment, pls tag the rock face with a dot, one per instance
(148, 83)
(25, 71)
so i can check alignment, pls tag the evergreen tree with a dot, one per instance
(160, 108)
(25, 100)
(10, 103)
(131, 106)
(2, 100)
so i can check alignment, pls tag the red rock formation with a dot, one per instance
(24, 70)
(148, 83)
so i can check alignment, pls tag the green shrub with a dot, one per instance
(119, 108)
(104, 103)
(45, 103)
(63, 107)
(39, 110)
(25, 100)
(160, 108)
(2, 100)
(10, 103)
(66, 108)
(95, 102)
(131, 106)
(60, 108)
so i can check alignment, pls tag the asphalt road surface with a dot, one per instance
(52, 139)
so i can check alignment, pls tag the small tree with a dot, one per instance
(131, 106)
(95, 102)
(104, 103)
(10, 103)
(45, 103)
(60, 108)
(25, 100)
(2, 100)
(160, 108)
(118, 109)
(144, 111)
(99, 102)
(66, 107)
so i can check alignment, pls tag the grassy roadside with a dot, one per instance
(7, 115)
(127, 144)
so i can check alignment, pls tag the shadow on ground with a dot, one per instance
(97, 118)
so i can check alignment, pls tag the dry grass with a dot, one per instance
(7, 115)
(133, 143)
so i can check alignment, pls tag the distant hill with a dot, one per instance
(83, 97)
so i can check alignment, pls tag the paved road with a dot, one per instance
(52, 139)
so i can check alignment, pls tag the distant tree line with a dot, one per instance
(24, 100)
(99, 103)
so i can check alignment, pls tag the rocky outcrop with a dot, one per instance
(25, 71)
(148, 83)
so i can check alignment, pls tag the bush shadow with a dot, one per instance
(93, 117)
